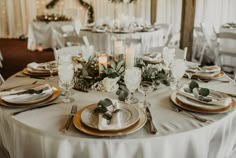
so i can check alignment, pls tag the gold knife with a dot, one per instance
(149, 120)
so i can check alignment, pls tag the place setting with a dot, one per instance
(205, 73)
(194, 98)
(47, 69)
(29, 96)
(109, 118)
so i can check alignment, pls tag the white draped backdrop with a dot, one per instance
(15, 15)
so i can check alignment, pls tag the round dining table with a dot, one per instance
(37, 133)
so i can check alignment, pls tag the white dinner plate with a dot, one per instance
(128, 116)
(26, 98)
(195, 106)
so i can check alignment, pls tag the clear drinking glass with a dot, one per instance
(132, 80)
(145, 88)
(66, 82)
(178, 68)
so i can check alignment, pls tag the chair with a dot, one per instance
(199, 45)
(225, 51)
(211, 52)
(68, 30)
(166, 29)
(174, 41)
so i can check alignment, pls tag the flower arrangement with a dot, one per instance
(110, 78)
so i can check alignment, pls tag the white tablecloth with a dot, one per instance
(104, 41)
(49, 35)
(36, 133)
(45, 35)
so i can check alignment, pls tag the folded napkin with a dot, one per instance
(214, 98)
(33, 95)
(36, 66)
(204, 69)
(153, 57)
(109, 117)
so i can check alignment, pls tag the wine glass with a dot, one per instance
(132, 80)
(66, 82)
(178, 68)
(51, 67)
(168, 55)
(145, 88)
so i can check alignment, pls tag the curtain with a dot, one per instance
(215, 12)
(15, 15)
(169, 12)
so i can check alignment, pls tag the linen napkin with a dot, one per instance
(153, 57)
(204, 69)
(110, 118)
(36, 94)
(213, 99)
(36, 66)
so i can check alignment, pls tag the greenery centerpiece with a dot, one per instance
(110, 78)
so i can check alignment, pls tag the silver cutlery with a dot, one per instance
(72, 113)
(153, 129)
(36, 107)
(22, 85)
(178, 110)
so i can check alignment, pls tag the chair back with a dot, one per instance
(174, 41)
(166, 29)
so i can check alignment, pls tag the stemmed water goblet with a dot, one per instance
(132, 80)
(66, 81)
(178, 68)
(145, 88)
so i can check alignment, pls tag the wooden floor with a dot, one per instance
(16, 56)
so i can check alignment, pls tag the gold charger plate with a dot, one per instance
(129, 115)
(219, 75)
(95, 132)
(32, 98)
(192, 108)
(27, 72)
(54, 95)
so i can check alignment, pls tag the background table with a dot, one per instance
(45, 35)
(103, 41)
(37, 133)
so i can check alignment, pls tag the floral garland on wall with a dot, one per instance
(51, 4)
(123, 1)
(86, 5)
(90, 10)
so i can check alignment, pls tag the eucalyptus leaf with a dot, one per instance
(120, 64)
(192, 85)
(204, 92)
(112, 64)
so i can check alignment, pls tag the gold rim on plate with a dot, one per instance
(130, 112)
(54, 95)
(95, 132)
(27, 72)
(192, 108)
(218, 75)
